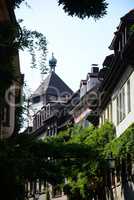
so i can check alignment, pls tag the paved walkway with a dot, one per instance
(60, 198)
(42, 197)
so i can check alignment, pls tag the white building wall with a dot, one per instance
(83, 90)
(129, 117)
(92, 82)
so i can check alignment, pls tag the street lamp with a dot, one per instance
(111, 164)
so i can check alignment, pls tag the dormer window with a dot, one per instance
(130, 30)
(36, 99)
(52, 98)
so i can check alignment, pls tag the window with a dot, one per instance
(55, 129)
(121, 106)
(128, 97)
(6, 115)
(34, 123)
(52, 98)
(38, 122)
(101, 120)
(109, 112)
(118, 118)
(48, 131)
(52, 130)
(40, 118)
(44, 113)
(103, 117)
(36, 99)
(48, 111)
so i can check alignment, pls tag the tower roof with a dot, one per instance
(53, 85)
(52, 63)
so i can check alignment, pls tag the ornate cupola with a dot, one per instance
(52, 63)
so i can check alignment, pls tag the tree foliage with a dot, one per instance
(122, 146)
(28, 160)
(13, 38)
(34, 42)
(92, 178)
(87, 181)
(16, 3)
(80, 8)
(79, 154)
(84, 8)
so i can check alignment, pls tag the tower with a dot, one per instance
(52, 63)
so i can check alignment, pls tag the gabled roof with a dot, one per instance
(108, 60)
(53, 85)
(125, 20)
(129, 15)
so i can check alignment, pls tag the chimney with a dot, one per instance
(95, 68)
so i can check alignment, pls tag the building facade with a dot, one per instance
(117, 89)
(8, 98)
(116, 104)
(50, 102)
(84, 112)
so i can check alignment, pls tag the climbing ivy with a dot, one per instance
(90, 180)
(123, 145)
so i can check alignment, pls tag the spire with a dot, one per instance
(52, 63)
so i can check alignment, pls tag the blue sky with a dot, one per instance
(76, 43)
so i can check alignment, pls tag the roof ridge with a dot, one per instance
(128, 14)
(61, 81)
(52, 82)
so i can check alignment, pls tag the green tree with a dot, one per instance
(82, 158)
(80, 8)
(24, 158)
(84, 8)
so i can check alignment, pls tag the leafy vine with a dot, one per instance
(35, 42)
